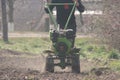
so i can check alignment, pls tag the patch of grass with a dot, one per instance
(89, 49)
(32, 45)
(82, 41)
(115, 65)
(114, 55)
(98, 51)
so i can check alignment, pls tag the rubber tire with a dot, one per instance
(49, 64)
(75, 63)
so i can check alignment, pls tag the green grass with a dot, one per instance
(32, 45)
(94, 50)
(90, 48)
(114, 65)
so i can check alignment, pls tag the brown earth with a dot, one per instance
(25, 66)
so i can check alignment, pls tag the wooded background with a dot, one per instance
(29, 15)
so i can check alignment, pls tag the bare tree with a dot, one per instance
(109, 24)
(11, 14)
(4, 20)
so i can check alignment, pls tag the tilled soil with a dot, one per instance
(25, 66)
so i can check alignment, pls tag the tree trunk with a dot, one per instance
(11, 13)
(4, 21)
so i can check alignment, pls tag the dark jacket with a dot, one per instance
(63, 11)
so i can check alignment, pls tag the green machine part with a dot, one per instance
(60, 42)
(63, 46)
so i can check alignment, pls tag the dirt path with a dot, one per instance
(25, 66)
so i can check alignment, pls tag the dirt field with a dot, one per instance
(25, 66)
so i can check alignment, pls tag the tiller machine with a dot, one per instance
(63, 53)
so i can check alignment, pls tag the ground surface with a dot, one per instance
(25, 66)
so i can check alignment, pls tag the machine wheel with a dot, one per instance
(75, 63)
(49, 64)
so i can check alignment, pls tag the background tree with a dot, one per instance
(4, 21)
(108, 26)
(10, 15)
(112, 16)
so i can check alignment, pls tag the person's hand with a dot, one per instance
(77, 3)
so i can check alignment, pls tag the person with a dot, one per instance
(63, 12)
